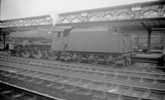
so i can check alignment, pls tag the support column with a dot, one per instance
(4, 40)
(149, 30)
(163, 36)
(149, 40)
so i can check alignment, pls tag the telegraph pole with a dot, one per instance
(0, 9)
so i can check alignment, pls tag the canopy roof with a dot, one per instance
(150, 15)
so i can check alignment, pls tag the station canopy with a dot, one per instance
(150, 15)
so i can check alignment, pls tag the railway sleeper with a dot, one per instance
(141, 80)
(160, 99)
(17, 76)
(41, 64)
(24, 59)
(154, 80)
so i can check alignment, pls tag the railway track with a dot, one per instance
(74, 80)
(134, 70)
(116, 79)
(12, 92)
(155, 77)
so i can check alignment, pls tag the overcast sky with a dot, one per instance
(25, 8)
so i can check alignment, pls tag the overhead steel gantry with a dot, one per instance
(132, 12)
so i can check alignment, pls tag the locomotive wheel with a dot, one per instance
(37, 54)
(25, 54)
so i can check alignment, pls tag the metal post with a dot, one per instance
(4, 41)
(149, 40)
(0, 9)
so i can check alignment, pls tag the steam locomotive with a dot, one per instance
(96, 44)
